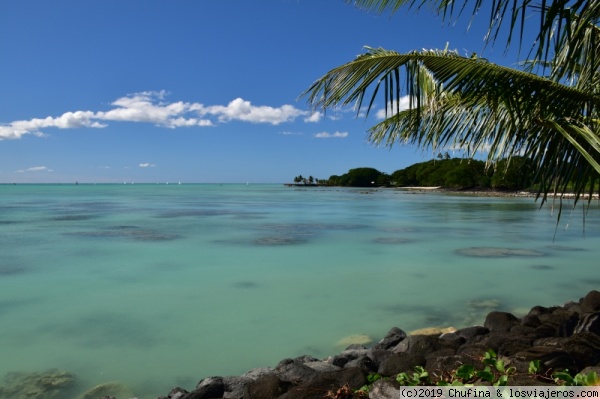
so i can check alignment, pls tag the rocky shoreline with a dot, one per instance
(560, 337)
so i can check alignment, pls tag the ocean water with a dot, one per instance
(157, 286)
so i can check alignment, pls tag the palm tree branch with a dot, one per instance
(473, 78)
(558, 27)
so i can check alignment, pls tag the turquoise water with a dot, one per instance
(161, 285)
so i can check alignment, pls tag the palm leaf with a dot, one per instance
(469, 103)
(473, 104)
(561, 25)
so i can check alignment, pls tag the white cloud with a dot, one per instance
(147, 107)
(68, 120)
(150, 107)
(242, 110)
(35, 169)
(326, 135)
(391, 107)
(146, 165)
(314, 117)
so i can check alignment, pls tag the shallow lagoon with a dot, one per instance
(161, 285)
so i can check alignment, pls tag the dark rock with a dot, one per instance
(379, 355)
(417, 344)
(553, 342)
(177, 393)
(321, 366)
(539, 310)
(305, 359)
(545, 313)
(353, 352)
(452, 339)
(268, 386)
(208, 388)
(258, 372)
(560, 323)
(520, 329)
(319, 385)
(340, 360)
(531, 320)
(447, 365)
(495, 340)
(546, 330)
(500, 321)
(293, 370)
(392, 338)
(236, 387)
(550, 358)
(591, 302)
(573, 307)
(588, 323)
(210, 381)
(434, 359)
(445, 352)
(475, 351)
(400, 363)
(567, 328)
(364, 364)
(452, 342)
(584, 348)
(510, 348)
(471, 332)
(384, 389)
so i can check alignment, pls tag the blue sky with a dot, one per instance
(193, 90)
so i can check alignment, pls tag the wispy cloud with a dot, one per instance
(35, 169)
(288, 133)
(147, 165)
(151, 107)
(326, 135)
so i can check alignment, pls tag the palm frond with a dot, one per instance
(562, 25)
(578, 60)
(475, 79)
(460, 102)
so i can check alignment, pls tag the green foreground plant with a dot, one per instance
(493, 371)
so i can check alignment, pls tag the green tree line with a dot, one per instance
(454, 173)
